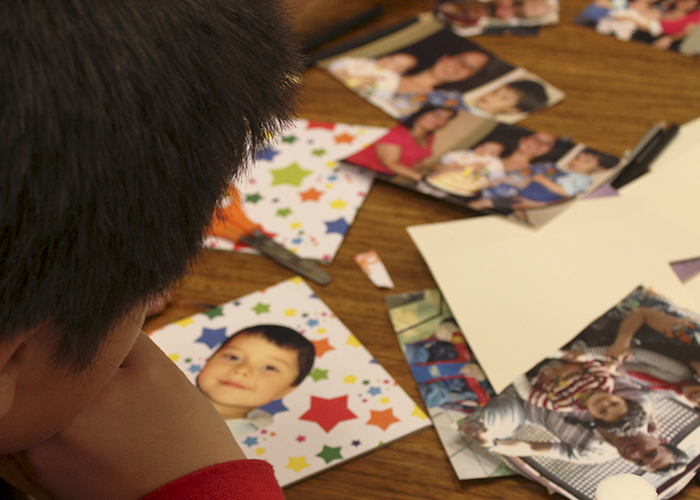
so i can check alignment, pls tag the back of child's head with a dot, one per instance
(285, 338)
(121, 123)
(533, 95)
(634, 421)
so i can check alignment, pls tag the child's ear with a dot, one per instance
(10, 358)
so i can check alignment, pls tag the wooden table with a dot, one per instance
(615, 92)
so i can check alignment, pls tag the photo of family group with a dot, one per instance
(486, 166)
(621, 397)
(473, 17)
(666, 24)
(448, 376)
(426, 64)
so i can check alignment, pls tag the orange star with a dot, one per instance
(311, 195)
(382, 419)
(345, 137)
(322, 347)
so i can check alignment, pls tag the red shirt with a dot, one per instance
(411, 153)
(235, 480)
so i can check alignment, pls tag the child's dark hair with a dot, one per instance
(635, 420)
(604, 160)
(411, 120)
(286, 338)
(533, 95)
(120, 125)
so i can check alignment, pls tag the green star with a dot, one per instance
(318, 152)
(261, 308)
(292, 175)
(329, 454)
(290, 139)
(253, 198)
(214, 312)
(318, 374)
(283, 212)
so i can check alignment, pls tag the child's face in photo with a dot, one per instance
(248, 372)
(454, 68)
(433, 120)
(606, 407)
(537, 144)
(502, 100)
(399, 63)
(490, 148)
(584, 163)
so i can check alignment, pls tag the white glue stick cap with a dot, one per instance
(625, 487)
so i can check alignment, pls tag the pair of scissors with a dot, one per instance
(230, 222)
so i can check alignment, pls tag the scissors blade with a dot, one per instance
(274, 251)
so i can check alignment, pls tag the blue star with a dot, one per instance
(297, 241)
(339, 226)
(274, 407)
(374, 391)
(266, 154)
(332, 177)
(212, 337)
(250, 441)
(356, 442)
(195, 368)
(312, 322)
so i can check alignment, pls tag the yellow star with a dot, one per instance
(295, 225)
(417, 412)
(174, 357)
(185, 322)
(297, 464)
(340, 204)
(260, 451)
(352, 340)
(297, 279)
(331, 164)
(321, 330)
(290, 312)
(384, 400)
(350, 379)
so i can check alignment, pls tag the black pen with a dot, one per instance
(644, 153)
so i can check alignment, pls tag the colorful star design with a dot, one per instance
(266, 154)
(290, 312)
(284, 212)
(356, 443)
(417, 412)
(312, 322)
(326, 125)
(319, 152)
(274, 407)
(328, 412)
(382, 419)
(350, 379)
(384, 400)
(195, 368)
(250, 441)
(374, 391)
(260, 451)
(300, 439)
(322, 347)
(253, 198)
(311, 194)
(352, 340)
(318, 374)
(214, 312)
(297, 464)
(292, 175)
(339, 226)
(344, 138)
(290, 139)
(212, 337)
(338, 204)
(261, 308)
(329, 454)
(174, 357)
(185, 322)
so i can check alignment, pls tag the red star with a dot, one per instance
(301, 439)
(312, 124)
(328, 412)
(321, 347)
(345, 137)
(382, 419)
(311, 195)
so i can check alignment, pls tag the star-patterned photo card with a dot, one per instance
(427, 63)
(298, 192)
(295, 386)
(621, 397)
(448, 376)
(484, 165)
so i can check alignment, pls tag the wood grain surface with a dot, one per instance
(615, 92)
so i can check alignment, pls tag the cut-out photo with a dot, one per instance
(621, 397)
(474, 17)
(426, 64)
(665, 24)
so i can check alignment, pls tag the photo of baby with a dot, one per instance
(620, 397)
(665, 24)
(427, 64)
(473, 17)
(252, 368)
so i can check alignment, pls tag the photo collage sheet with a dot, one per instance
(496, 17)
(621, 397)
(665, 24)
(295, 386)
(448, 376)
(457, 140)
